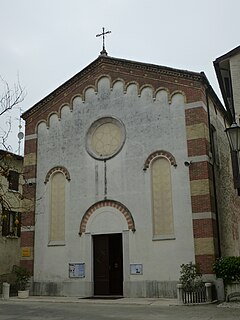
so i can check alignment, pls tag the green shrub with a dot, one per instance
(191, 276)
(227, 268)
(22, 277)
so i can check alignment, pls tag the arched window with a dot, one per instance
(162, 208)
(57, 208)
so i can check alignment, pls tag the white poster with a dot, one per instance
(136, 268)
(76, 270)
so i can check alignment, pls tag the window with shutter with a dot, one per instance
(13, 178)
(11, 224)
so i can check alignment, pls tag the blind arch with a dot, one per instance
(57, 207)
(162, 207)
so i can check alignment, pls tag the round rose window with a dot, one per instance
(105, 138)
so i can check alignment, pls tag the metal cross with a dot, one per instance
(103, 35)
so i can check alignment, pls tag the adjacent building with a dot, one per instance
(227, 69)
(11, 181)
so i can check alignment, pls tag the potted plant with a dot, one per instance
(191, 284)
(191, 276)
(22, 281)
(228, 268)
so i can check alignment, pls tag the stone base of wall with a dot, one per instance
(131, 289)
(134, 289)
(62, 289)
(150, 289)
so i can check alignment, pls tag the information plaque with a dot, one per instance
(136, 268)
(76, 270)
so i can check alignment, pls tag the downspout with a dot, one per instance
(214, 180)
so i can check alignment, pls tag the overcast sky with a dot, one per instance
(47, 42)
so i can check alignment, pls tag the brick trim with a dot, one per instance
(55, 169)
(204, 228)
(30, 146)
(205, 262)
(200, 178)
(200, 170)
(202, 203)
(27, 239)
(196, 115)
(28, 264)
(157, 154)
(198, 147)
(107, 203)
(29, 171)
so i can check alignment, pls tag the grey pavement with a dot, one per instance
(139, 301)
(61, 308)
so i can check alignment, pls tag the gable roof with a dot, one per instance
(221, 66)
(228, 55)
(117, 62)
(11, 154)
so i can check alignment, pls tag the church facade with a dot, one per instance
(126, 163)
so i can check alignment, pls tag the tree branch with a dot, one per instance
(4, 135)
(10, 97)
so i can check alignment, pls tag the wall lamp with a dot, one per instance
(233, 134)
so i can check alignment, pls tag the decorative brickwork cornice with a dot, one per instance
(104, 62)
(107, 203)
(155, 68)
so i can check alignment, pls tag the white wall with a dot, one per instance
(151, 124)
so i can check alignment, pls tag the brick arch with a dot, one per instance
(62, 106)
(50, 115)
(86, 89)
(157, 154)
(101, 77)
(129, 84)
(145, 86)
(117, 80)
(57, 169)
(178, 92)
(38, 124)
(107, 203)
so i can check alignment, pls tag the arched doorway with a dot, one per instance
(106, 225)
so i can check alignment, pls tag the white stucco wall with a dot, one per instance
(151, 125)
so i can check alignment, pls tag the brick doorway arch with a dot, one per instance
(107, 203)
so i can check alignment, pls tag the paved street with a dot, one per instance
(31, 310)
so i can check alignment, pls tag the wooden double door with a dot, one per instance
(108, 264)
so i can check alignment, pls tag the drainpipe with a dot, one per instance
(214, 180)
